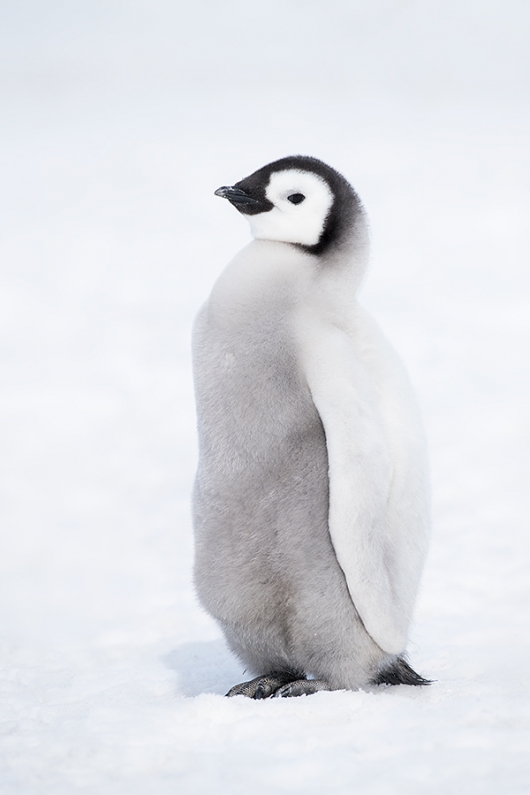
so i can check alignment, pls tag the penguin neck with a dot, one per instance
(265, 273)
(339, 271)
(268, 272)
(333, 280)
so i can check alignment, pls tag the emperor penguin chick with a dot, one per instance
(311, 505)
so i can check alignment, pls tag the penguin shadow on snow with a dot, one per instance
(203, 667)
(210, 667)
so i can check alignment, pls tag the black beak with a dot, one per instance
(235, 195)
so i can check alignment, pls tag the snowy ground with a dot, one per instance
(119, 121)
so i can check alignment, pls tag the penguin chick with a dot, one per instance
(311, 498)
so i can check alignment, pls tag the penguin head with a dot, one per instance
(298, 200)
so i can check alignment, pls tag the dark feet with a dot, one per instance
(262, 686)
(301, 687)
(278, 685)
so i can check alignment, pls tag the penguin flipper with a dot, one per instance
(379, 548)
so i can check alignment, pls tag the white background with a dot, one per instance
(118, 121)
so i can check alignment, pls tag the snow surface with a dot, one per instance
(118, 122)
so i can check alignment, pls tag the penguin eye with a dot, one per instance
(296, 198)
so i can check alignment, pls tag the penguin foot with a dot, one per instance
(301, 687)
(263, 686)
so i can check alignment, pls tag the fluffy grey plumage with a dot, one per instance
(266, 566)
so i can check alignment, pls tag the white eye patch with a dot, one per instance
(301, 221)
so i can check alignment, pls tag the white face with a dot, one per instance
(296, 220)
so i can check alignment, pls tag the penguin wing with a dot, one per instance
(377, 520)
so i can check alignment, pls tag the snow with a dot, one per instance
(119, 121)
